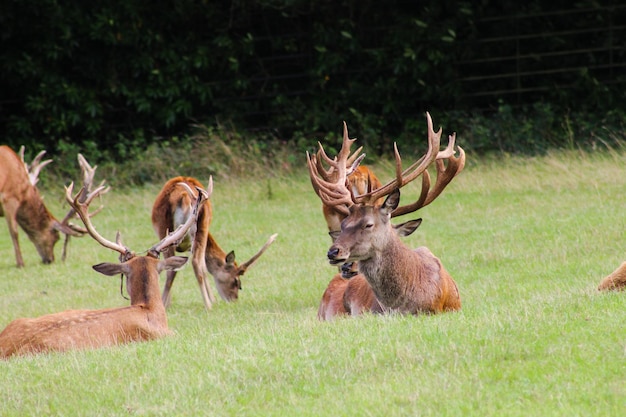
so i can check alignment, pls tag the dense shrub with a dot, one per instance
(119, 79)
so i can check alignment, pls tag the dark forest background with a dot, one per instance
(114, 78)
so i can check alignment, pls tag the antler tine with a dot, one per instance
(445, 174)
(88, 176)
(34, 167)
(82, 209)
(416, 169)
(244, 266)
(175, 237)
(332, 194)
(331, 184)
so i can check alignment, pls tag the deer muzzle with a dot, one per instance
(334, 256)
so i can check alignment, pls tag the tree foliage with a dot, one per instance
(118, 76)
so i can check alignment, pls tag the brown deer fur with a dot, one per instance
(349, 293)
(171, 208)
(403, 280)
(21, 204)
(344, 296)
(616, 281)
(144, 319)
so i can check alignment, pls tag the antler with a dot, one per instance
(35, 167)
(88, 175)
(336, 193)
(445, 174)
(244, 266)
(331, 184)
(82, 209)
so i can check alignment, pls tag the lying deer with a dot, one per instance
(143, 320)
(616, 281)
(21, 204)
(403, 280)
(173, 207)
(349, 293)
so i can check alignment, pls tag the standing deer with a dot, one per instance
(403, 280)
(143, 320)
(21, 204)
(173, 207)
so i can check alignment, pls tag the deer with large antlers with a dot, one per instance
(403, 280)
(173, 207)
(145, 318)
(21, 204)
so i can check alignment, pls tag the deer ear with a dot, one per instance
(230, 258)
(406, 228)
(109, 269)
(391, 202)
(173, 263)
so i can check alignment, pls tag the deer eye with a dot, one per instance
(368, 226)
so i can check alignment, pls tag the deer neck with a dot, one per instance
(387, 272)
(215, 257)
(32, 215)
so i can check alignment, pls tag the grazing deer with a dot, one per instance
(21, 204)
(143, 320)
(173, 207)
(403, 280)
(616, 281)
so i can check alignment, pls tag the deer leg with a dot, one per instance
(200, 269)
(166, 297)
(205, 290)
(10, 213)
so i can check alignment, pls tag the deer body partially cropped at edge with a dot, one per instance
(145, 319)
(21, 204)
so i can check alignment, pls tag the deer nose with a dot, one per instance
(332, 253)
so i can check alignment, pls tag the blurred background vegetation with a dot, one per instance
(153, 88)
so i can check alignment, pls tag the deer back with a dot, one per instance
(173, 206)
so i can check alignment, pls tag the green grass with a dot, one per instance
(527, 240)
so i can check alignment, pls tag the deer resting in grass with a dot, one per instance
(403, 280)
(21, 204)
(143, 320)
(349, 293)
(172, 207)
(616, 281)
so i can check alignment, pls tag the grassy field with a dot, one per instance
(527, 240)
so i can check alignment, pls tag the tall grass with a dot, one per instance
(526, 239)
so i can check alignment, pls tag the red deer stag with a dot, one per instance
(616, 281)
(145, 318)
(403, 280)
(21, 204)
(171, 208)
(349, 293)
